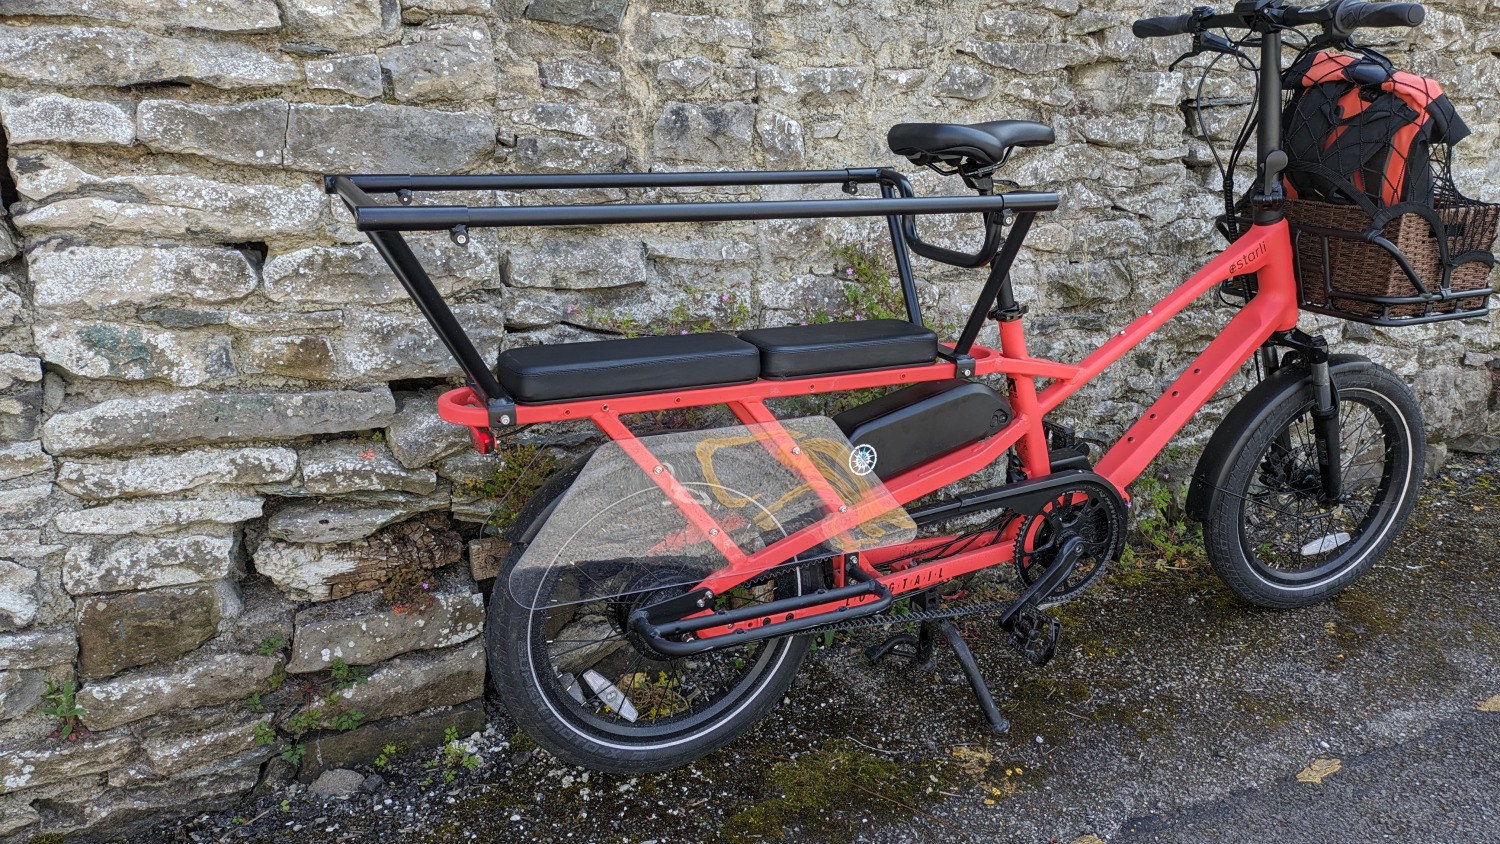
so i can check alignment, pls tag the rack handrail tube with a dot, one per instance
(907, 225)
(370, 218)
(347, 189)
(397, 182)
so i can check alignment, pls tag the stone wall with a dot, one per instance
(222, 479)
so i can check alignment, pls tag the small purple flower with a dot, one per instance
(570, 309)
(857, 317)
(848, 271)
(724, 298)
(426, 585)
(684, 331)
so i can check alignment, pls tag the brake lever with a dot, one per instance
(1208, 42)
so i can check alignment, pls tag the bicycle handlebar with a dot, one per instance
(1164, 27)
(1352, 16)
(1342, 16)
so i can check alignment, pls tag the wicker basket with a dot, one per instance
(1341, 274)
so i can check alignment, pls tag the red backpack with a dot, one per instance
(1357, 131)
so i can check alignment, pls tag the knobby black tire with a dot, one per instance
(522, 675)
(1266, 514)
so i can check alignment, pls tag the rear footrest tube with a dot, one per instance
(866, 584)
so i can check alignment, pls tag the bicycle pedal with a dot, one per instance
(1034, 634)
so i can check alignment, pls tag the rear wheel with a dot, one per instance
(1269, 534)
(596, 694)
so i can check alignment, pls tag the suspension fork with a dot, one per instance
(1270, 361)
(1325, 413)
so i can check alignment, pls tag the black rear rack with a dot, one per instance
(383, 224)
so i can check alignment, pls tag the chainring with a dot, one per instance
(1086, 511)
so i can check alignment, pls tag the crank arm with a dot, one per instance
(1055, 575)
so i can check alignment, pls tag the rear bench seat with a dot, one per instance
(536, 374)
(795, 351)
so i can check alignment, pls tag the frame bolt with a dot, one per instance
(796, 450)
(656, 471)
(843, 508)
(505, 420)
(713, 531)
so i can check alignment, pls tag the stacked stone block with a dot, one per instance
(218, 448)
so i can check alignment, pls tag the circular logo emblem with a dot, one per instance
(862, 459)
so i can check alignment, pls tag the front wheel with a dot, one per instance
(1268, 533)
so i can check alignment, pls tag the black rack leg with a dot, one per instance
(971, 670)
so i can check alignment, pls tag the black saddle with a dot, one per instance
(984, 144)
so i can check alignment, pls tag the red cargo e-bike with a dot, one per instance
(659, 596)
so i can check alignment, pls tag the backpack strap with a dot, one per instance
(1325, 67)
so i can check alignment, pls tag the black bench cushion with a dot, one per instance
(624, 367)
(796, 350)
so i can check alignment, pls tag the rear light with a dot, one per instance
(484, 440)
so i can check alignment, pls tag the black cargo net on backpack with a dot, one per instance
(1382, 235)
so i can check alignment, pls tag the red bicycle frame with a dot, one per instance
(1266, 252)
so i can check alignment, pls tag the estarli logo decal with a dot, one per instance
(1248, 258)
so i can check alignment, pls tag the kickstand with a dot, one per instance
(921, 648)
(971, 670)
(901, 644)
(917, 647)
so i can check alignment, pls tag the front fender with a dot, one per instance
(1248, 414)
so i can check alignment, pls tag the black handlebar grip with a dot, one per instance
(1162, 27)
(1352, 15)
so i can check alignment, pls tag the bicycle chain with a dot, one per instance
(880, 620)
